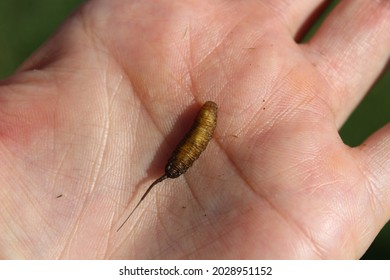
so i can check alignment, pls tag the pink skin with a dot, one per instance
(88, 122)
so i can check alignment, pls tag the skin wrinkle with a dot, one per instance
(277, 12)
(88, 26)
(188, 66)
(193, 193)
(371, 189)
(12, 235)
(188, 237)
(138, 114)
(353, 235)
(120, 244)
(185, 233)
(329, 183)
(223, 232)
(67, 241)
(167, 236)
(226, 76)
(178, 239)
(174, 243)
(69, 238)
(34, 203)
(350, 229)
(365, 173)
(106, 239)
(291, 168)
(211, 91)
(62, 160)
(315, 248)
(22, 239)
(111, 166)
(328, 103)
(109, 237)
(103, 152)
(57, 253)
(157, 127)
(159, 240)
(133, 140)
(204, 222)
(273, 92)
(199, 247)
(213, 50)
(253, 188)
(96, 166)
(110, 104)
(155, 234)
(167, 240)
(180, 81)
(244, 127)
(324, 67)
(314, 189)
(192, 85)
(217, 237)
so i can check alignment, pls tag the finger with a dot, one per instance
(295, 14)
(377, 160)
(376, 166)
(350, 50)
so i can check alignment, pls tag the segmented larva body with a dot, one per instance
(194, 142)
(189, 149)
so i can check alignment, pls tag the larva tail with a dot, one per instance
(162, 178)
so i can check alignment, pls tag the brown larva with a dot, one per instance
(189, 149)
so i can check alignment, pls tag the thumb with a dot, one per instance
(376, 166)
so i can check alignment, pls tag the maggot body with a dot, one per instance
(189, 148)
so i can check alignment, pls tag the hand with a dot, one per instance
(89, 121)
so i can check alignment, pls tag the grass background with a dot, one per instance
(26, 24)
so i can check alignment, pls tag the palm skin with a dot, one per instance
(88, 122)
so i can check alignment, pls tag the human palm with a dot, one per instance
(89, 121)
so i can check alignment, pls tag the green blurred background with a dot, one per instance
(25, 24)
